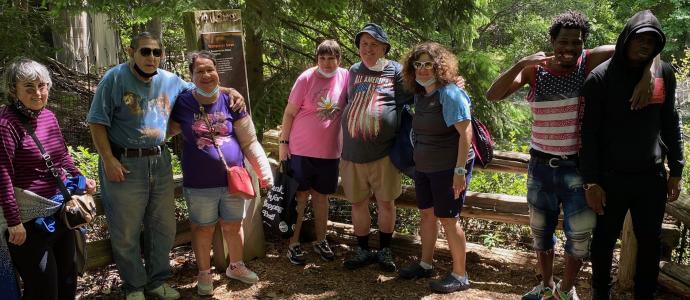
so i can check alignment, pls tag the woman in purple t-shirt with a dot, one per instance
(212, 132)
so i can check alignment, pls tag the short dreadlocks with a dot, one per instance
(572, 20)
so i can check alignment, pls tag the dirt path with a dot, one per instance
(491, 274)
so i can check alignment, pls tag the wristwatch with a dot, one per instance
(588, 186)
(460, 171)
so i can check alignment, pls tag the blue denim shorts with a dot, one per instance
(550, 189)
(208, 205)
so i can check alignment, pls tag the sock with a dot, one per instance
(385, 239)
(293, 245)
(462, 279)
(425, 265)
(363, 242)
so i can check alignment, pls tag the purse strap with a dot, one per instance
(46, 157)
(213, 134)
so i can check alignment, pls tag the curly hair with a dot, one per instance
(445, 65)
(571, 20)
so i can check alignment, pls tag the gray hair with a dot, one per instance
(136, 40)
(22, 69)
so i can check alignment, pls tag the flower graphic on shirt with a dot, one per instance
(327, 108)
(216, 126)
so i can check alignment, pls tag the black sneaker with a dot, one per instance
(296, 255)
(449, 284)
(385, 258)
(324, 250)
(414, 270)
(361, 258)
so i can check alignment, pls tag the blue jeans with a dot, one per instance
(146, 196)
(549, 189)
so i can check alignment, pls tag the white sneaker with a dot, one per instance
(240, 272)
(138, 295)
(569, 295)
(164, 292)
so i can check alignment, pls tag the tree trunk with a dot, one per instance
(155, 28)
(254, 58)
(74, 42)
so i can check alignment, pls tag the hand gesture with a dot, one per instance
(673, 188)
(283, 152)
(17, 234)
(459, 185)
(539, 58)
(596, 199)
(90, 186)
(114, 171)
(237, 101)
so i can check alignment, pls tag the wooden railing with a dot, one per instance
(515, 210)
(509, 209)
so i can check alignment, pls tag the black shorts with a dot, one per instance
(318, 174)
(435, 189)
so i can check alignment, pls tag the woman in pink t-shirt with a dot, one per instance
(311, 139)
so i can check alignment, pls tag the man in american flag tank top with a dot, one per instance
(554, 97)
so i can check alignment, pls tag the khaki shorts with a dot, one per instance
(379, 178)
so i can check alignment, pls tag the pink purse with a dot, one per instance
(239, 182)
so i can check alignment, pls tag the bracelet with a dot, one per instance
(284, 142)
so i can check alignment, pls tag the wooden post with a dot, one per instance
(626, 265)
(201, 22)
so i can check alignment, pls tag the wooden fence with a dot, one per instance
(509, 209)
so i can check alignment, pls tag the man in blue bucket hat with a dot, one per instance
(369, 126)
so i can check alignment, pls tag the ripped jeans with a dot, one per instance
(550, 188)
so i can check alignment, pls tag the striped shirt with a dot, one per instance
(557, 109)
(21, 164)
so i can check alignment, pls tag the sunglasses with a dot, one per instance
(427, 65)
(157, 52)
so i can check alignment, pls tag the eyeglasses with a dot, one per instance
(157, 52)
(427, 65)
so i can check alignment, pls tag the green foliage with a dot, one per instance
(23, 32)
(86, 161)
(491, 239)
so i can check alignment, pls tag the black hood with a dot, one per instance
(643, 21)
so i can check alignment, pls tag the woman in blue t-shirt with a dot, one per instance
(443, 158)
(215, 137)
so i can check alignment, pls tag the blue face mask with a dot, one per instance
(207, 94)
(426, 83)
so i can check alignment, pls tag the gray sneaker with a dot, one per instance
(362, 257)
(449, 284)
(296, 255)
(385, 259)
(138, 295)
(414, 270)
(324, 250)
(164, 292)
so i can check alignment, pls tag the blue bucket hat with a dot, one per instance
(376, 32)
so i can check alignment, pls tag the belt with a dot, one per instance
(139, 152)
(552, 160)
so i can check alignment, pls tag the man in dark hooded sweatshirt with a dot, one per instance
(623, 152)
